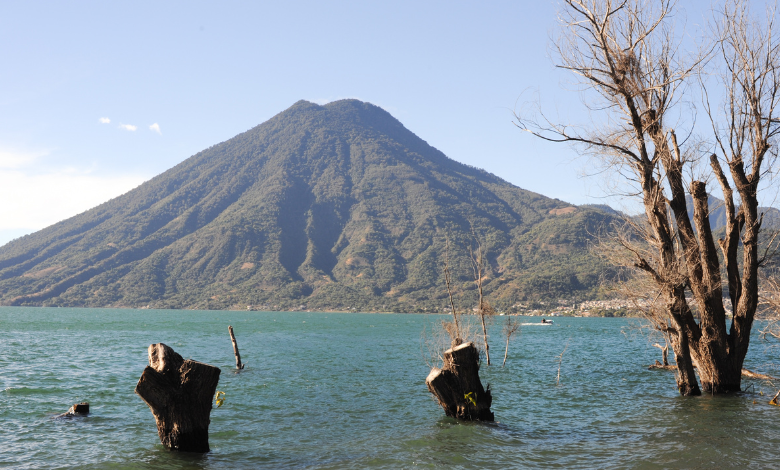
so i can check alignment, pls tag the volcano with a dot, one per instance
(333, 207)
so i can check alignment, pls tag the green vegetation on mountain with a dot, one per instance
(321, 207)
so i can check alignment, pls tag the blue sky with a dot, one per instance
(98, 97)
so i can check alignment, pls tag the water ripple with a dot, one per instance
(346, 391)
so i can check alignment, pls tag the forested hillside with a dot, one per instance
(321, 207)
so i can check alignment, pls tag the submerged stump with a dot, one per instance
(77, 410)
(179, 392)
(457, 387)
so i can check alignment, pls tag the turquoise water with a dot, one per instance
(333, 391)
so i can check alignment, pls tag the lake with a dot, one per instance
(347, 391)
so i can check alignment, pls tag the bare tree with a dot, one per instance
(478, 268)
(456, 385)
(510, 328)
(770, 300)
(455, 334)
(627, 52)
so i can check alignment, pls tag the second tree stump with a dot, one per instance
(457, 387)
(179, 392)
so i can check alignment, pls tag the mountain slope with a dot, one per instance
(335, 206)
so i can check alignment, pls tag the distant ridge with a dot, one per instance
(717, 213)
(321, 207)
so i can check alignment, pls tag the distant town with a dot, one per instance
(589, 308)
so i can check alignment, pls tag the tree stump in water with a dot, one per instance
(239, 364)
(457, 387)
(79, 409)
(179, 392)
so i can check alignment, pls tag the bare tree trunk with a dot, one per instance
(179, 392)
(478, 265)
(506, 351)
(484, 331)
(510, 328)
(560, 361)
(686, 377)
(456, 340)
(457, 387)
(664, 353)
(719, 378)
(239, 365)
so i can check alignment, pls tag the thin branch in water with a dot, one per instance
(448, 279)
(510, 328)
(560, 360)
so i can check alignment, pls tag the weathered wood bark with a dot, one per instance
(457, 386)
(755, 375)
(239, 365)
(179, 392)
(686, 377)
(664, 352)
(658, 365)
(678, 336)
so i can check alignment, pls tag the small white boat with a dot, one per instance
(543, 323)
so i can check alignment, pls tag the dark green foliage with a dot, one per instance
(321, 207)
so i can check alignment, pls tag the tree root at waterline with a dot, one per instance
(745, 372)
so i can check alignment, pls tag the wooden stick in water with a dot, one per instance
(239, 365)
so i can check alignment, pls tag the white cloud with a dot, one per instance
(105, 120)
(128, 127)
(11, 159)
(155, 128)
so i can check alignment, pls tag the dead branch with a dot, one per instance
(510, 328)
(560, 360)
(478, 269)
